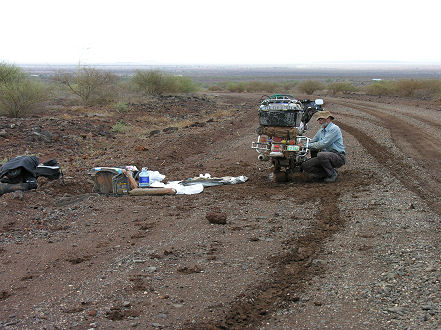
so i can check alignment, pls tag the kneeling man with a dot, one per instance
(327, 150)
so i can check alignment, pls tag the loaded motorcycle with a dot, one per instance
(282, 122)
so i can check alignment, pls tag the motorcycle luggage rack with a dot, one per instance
(305, 140)
(260, 146)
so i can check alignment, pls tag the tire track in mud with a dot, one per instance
(425, 188)
(412, 141)
(293, 268)
(409, 138)
(418, 143)
(363, 107)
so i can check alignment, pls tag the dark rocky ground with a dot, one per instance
(361, 253)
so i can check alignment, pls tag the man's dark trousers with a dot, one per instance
(323, 165)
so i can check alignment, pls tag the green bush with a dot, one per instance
(217, 87)
(381, 88)
(407, 87)
(91, 85)
(289, 85)
(10, 73)
(158, 83)
(431, 85)
(121, 107)
(341, 87)
(430, 88)
(238, 87)
(309, 86)
(120, 127)
(252, 86)
(19, 95)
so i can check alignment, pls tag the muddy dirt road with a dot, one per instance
(360, 253)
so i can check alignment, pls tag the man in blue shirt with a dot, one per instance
(328, 142)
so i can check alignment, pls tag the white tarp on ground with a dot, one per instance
(196, 185)
(207, 181)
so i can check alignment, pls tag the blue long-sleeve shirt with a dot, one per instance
(328, 139)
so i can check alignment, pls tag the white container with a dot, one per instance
(144, 178)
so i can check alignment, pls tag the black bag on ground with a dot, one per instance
(19, 169)
(26, 169)
(50, 169)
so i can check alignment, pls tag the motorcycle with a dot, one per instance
(282, 122)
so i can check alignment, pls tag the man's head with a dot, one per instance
(324, 118)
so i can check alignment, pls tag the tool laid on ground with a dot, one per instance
(152, 191)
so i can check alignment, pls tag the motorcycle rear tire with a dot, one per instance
(280, 176)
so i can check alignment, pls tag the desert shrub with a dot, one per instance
(407, 87)
(179, 84)
(217, 87)
(120, 127)
(238, 87)
(149, 82)
(255, 86)
(431, 85)
(121, 107)
(381, 88)
(19, 95)
(92, 86)
(260, 86)
(10, 73)
(270, 87)
(429, 88)
(158, 83)
(341, 87)
(289, 85)
(309, 86)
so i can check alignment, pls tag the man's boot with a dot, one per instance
(331, 178)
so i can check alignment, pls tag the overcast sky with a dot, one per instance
(275, 32)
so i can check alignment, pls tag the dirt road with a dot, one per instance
(360, 253)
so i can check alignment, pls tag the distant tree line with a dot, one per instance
(22, 94)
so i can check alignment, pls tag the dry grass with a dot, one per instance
(222, 114)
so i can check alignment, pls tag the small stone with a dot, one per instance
(92, 312)
(156, 325)
(426, 307)
(217, 218)
(126, 304)
(396, 309)
(170, 129)
(18, 194)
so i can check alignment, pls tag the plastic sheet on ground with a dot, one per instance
(179, 187)
(207, 181)
(196, 185)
